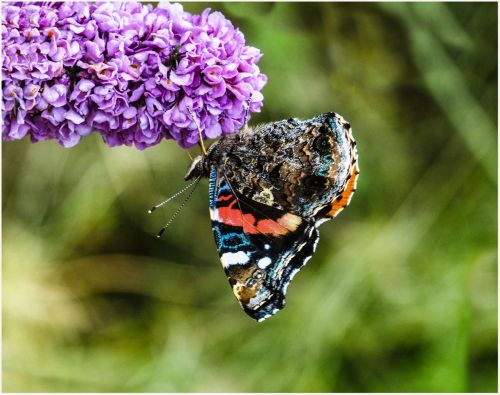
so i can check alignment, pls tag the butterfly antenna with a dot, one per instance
(162, 230)
(195, 119)
(173, 196)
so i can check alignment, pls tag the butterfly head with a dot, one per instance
(200, 166)
(197, 168)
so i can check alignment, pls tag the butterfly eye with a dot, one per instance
(322, 143)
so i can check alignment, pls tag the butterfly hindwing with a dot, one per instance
(261, 247)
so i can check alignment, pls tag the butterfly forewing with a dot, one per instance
(261, 248)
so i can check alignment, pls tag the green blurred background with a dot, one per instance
(401, 294)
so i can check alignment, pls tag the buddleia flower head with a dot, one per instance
(134, 73)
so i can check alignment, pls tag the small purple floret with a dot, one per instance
(131, 72)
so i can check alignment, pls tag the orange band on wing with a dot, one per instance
(345, 197)
(269, 227)
(234, 217)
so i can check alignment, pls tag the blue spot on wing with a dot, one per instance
(226, 240)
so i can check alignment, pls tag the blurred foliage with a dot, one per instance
(401, 294)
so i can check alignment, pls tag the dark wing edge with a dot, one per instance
(297, 261)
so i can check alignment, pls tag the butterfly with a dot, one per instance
(270, 187)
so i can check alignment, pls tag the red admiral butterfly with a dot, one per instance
(270, 188)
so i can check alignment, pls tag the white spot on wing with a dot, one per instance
(264, 262)
(214, 215)
(234, 258)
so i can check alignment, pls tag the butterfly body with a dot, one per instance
(270, 188)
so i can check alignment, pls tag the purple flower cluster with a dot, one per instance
(132, 72)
